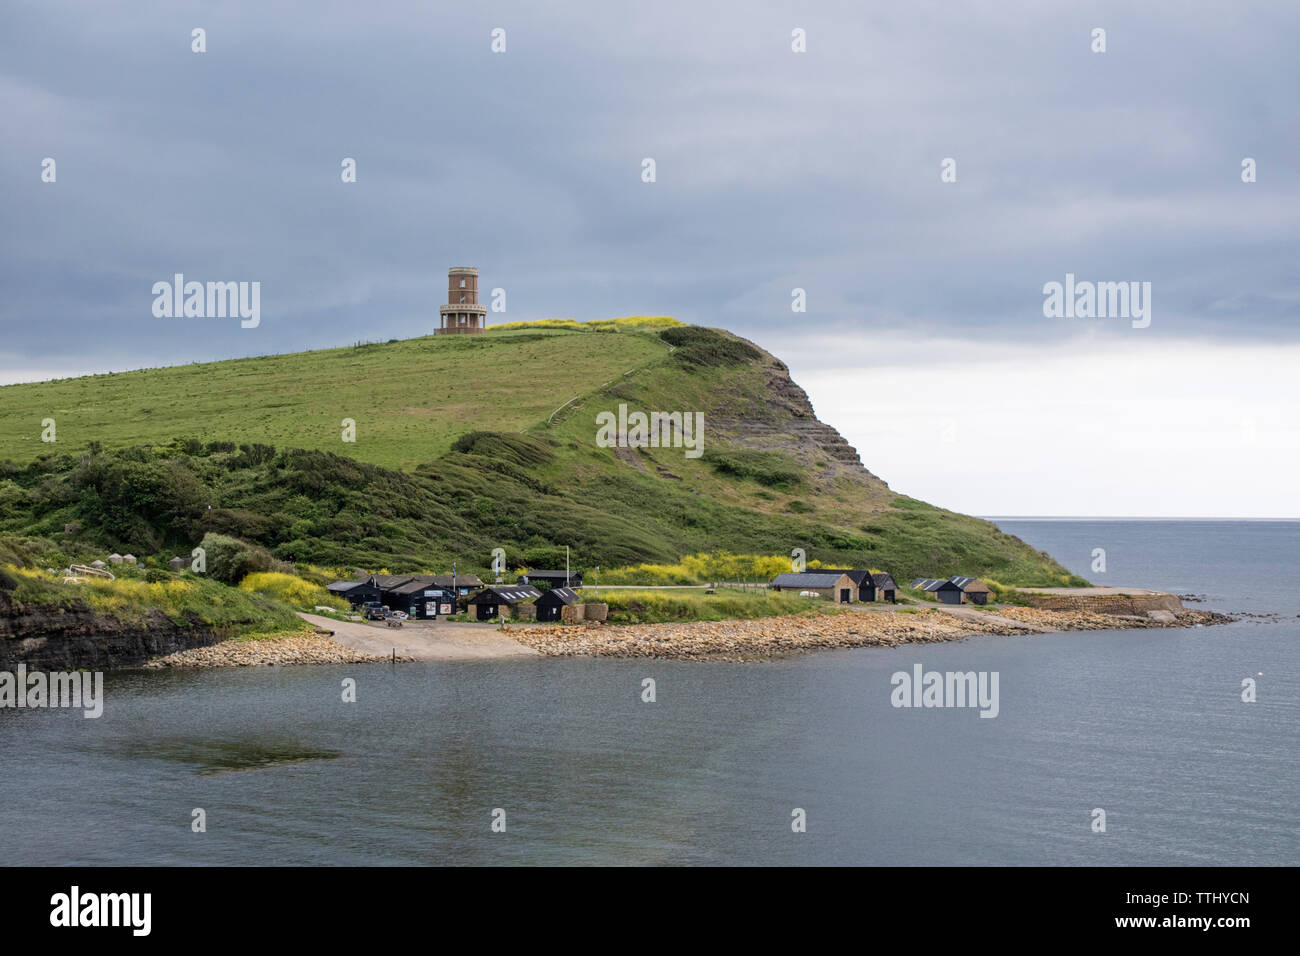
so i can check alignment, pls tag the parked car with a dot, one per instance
(374, 612)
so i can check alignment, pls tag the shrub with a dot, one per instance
(768, 468)
(290, 589)
(707, 347)
(230, 560)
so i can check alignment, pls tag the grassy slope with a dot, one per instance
(411, 399)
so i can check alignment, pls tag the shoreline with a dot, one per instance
(280, 651)
(769, 638)
(778, 637)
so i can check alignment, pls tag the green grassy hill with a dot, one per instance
(464, 444)
(410, 399)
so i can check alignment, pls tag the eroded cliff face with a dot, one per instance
(77, 638)
(787, 423)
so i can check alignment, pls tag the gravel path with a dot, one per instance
(424, 640)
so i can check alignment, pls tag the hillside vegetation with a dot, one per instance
(465, 444)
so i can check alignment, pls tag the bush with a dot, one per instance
(705, 568)
(230, 560)
(291, 590)
(768, 468)
(707, 347)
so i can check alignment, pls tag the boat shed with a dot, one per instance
(550, 606)
(462, 583)
(553, 579)
(973, 589)
(835, 585)
(492, 602)
(365, 590)
(886, 589)
(866, 587)
(421, 598)
(954, 590)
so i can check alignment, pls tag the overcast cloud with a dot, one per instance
(775, 170)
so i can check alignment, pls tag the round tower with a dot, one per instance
(462, 313)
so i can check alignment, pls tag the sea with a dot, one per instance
(1118, 748)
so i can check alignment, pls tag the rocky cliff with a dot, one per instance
(76, 638)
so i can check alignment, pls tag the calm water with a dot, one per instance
(1146, 724)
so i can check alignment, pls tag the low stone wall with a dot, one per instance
(524, 612)
(579, 613)
(1133, 605)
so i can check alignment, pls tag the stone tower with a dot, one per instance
(462, 313)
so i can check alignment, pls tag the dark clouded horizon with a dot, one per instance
(775, 170)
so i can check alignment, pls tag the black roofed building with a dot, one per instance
(861, 580)
(492, 602)
(886, 589)
(356, 592)
(421, 598)
(553, 579)
(954, 590)
(835, 585)
(942, 588)
(550, 606)
(463, 584)
(973, 589)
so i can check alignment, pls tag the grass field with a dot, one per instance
(410, 399)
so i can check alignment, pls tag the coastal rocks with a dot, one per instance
(780, 636)
(270, 652)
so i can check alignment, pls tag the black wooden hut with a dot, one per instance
(489, 602)
(553, 579)
(551, 604)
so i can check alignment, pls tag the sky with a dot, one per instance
(924, 339)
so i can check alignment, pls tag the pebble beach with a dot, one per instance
(780, 636)
(736, 640)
